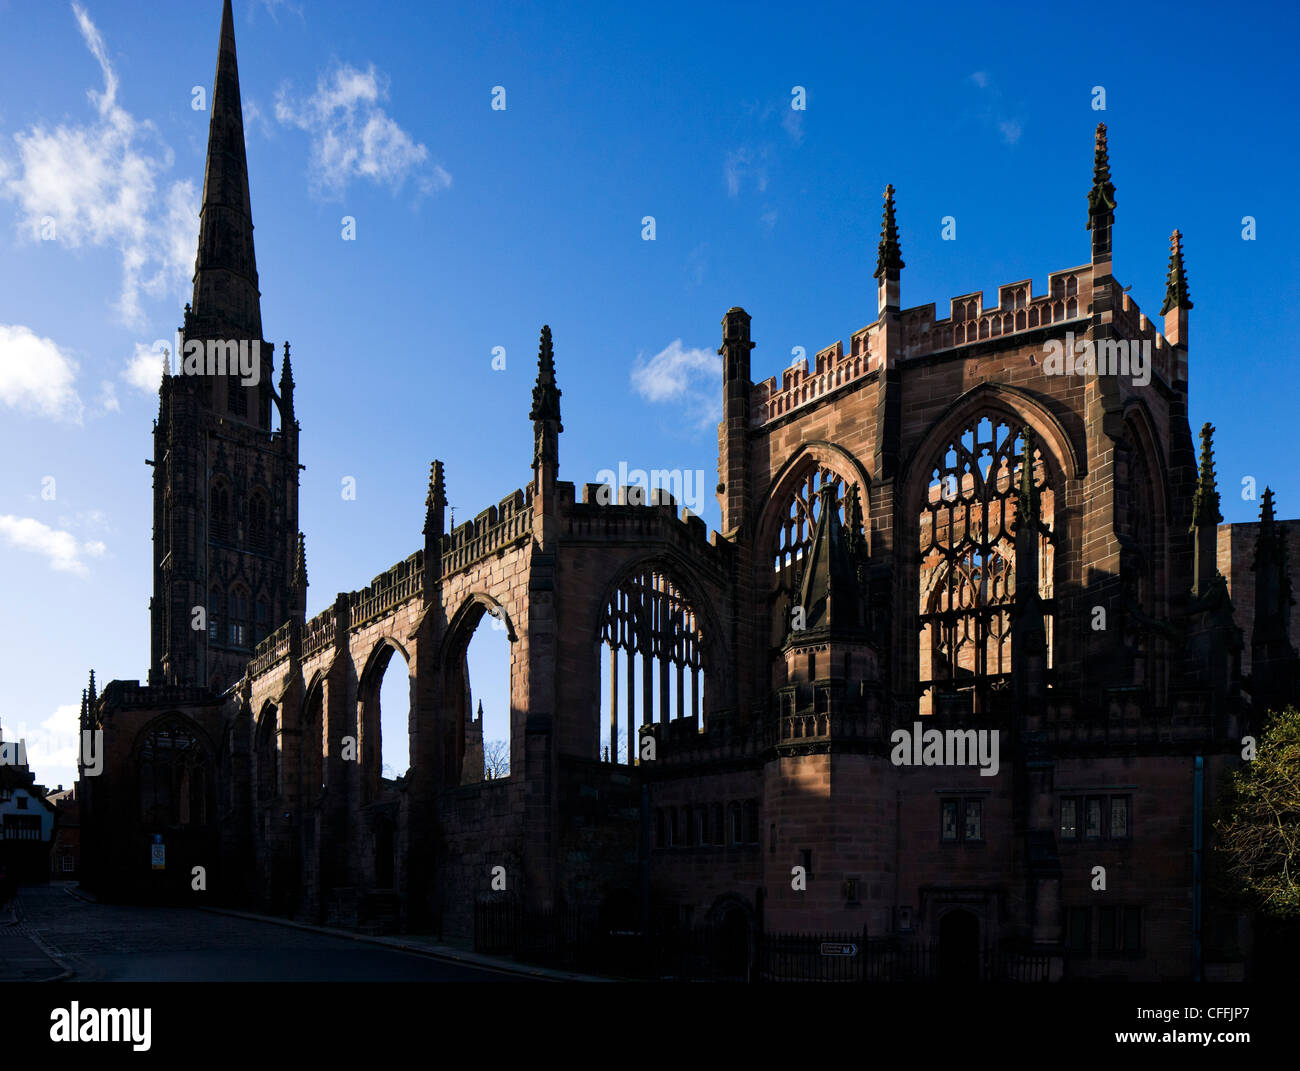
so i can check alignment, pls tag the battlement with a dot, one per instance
(623, 513)
(403, 581)
(509, 521)
(1068, 298)
(831, 370)
(132, 695)
(275, 648)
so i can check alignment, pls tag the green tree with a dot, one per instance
(1260, 833)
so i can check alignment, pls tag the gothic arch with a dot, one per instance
(370, 733)
(175, 766)
(266, 749)
(816, 453)
(653, 611)
(453, 681)
(958, 518)
(988, 399)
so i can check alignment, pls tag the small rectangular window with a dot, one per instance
(1118, 817)
(1069, 819)
(948, 820)
(771, 843)
(1092, 818)
(1106, 929)
(974, 820)
(21, 803)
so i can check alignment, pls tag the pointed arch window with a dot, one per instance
(214, 615)
(175, 777)
(257, 522)
(219, 510)
(649, 619)
(238, 617)
(797, 524)
(967, 528)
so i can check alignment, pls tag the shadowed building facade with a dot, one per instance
(943, 525)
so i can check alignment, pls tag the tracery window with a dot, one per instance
(968, 562)
(649, 620)
(257, 522)
(175, 776)
(219, 511)
(798, 522)
(268, 757)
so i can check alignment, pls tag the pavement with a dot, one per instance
(57, 932)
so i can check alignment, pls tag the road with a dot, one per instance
(121, 943)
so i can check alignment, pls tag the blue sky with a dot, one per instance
(475, 226)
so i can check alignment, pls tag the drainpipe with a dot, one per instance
(1198, 836)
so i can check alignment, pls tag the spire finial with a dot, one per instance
(286, 371)
(889, 256)
(1205, 503)
(1176, 281)
(546, 395)
(1027, 501)
(1101, 198)
(435, 500)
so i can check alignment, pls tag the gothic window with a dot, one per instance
(175, 777)
(238, 617)
(214, 615)
(219, 511)
(268, 757)
(1138, 559)
(257, 527)
(236, 396)
(797, 523)
(967, 549)
(649, 620)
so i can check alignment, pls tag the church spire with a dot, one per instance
(546, 395)
(889, 256)
(226, 298)
(1101, 198)
(1176, 281)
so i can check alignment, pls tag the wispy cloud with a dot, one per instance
(36, 376)
(994, 110)
(353, 137)
(64, 552)
(689, 378)
(95, 186)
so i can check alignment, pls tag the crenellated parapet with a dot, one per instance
(389, 589)
(505, 524)
(622, 514)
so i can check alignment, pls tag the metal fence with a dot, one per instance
(580, 940)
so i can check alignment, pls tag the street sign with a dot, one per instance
(158, 853)
(834, 948)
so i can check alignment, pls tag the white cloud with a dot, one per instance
(52, 746)
(101, 189)
(686, 377)
(793, 125)
(353, 137)
(36, 376)
(994, 111)
(64, 552)
(744, 164)
(108, 397)
(144, 368)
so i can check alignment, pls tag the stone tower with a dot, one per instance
(225, 479)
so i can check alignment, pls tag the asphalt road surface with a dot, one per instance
(119, 943)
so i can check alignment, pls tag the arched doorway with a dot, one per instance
(959, 947)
